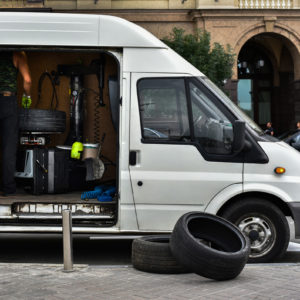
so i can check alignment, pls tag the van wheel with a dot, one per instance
(152, 254)
(42, 120)
(264, 224)
(209, 245)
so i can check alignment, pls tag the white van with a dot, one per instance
(174, 143)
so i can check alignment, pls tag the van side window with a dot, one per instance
(163, 108)
(212, 129)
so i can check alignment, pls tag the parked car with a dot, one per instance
(291, 137)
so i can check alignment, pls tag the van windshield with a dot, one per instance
(236, 110)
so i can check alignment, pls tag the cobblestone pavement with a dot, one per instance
(47, 281)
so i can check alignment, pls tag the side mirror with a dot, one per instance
(238, 136)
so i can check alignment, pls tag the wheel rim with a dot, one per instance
(261, 233)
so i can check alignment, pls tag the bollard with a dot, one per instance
(67, 240)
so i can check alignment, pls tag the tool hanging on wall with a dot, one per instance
(96, 121)
(54, 96)
(76, 73)
(99, 64)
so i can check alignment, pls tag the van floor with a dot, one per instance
(23, 196)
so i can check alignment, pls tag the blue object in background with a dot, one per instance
(106, 192)
(99, 188)
(106, 196)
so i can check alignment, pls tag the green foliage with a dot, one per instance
(215, 63)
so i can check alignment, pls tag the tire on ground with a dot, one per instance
(209, 245)
(42, 120)
(152, 254)
(264, 224)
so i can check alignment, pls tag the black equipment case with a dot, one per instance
(50, 171)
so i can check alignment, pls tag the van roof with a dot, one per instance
(55, 29)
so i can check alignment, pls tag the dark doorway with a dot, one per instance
(255, 83)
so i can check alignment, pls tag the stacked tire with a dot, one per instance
(42, 120)
(153, 254)
(202, 243)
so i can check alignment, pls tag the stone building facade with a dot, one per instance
(264, 35)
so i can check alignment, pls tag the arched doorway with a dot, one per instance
(265, 81)
(255, 83)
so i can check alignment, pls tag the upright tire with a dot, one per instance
(152, 254)
(264, 224)
(42, 120)
(209, 245)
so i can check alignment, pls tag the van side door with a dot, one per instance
(180, 148)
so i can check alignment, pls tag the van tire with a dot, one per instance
(264, 224)
(209, 245)
(152, 254)
(42, 120)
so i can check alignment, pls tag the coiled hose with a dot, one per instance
(54, 94)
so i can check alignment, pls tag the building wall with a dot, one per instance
(149, 4)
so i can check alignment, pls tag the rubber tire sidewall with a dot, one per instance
(42, 120)
(252, 206)
(152, 254)
(202, 259)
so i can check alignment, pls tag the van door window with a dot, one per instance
(212, 129)
(163, 108)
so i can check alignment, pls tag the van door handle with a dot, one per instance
(132, 158)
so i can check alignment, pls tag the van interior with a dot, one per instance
(67, 154)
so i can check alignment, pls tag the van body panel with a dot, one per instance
(162, 60)
(162, 218)
(223, 196)
(117, 32)
(267, 189)
(73, 30)
(51, 29)
(127, 213)
(127, 217)
(169, 180)
(125, 183)
(261, 177)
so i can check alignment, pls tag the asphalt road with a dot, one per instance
(48, 249)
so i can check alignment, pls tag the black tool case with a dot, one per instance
(50, 171)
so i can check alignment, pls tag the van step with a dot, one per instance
(59, 217)
(54, 211)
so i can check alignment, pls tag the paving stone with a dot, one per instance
(49, 282)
